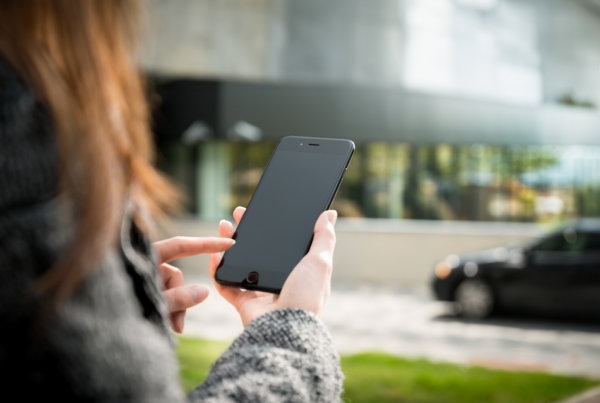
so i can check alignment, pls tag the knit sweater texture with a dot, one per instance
(111, 341)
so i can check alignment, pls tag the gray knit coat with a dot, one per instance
(111, 341)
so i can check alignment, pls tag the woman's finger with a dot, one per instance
(173, 277)
(324, 239)
(226, 229)
(186, 296)
(320, 254)
(230, 294)
(170, 275)
(178, 247)
(177, 321)
(238, 213)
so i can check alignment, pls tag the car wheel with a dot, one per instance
(475, 298)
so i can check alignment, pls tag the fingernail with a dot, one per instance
(199, 293)
(332, 216)
(233, 240)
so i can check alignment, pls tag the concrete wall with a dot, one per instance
(515, 51)
(210, 38)
(396, 253)
(569, 35)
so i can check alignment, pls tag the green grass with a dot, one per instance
(378, 377)
(195, 357)
(384, 378)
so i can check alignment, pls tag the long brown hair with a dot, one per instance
(80, 59)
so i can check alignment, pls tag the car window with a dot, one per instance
(569, 240)
(593, 241)
(576, 241)
(553, 243)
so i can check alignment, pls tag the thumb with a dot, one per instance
(184, 297)
(324, 239)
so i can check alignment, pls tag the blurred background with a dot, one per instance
(476, 124)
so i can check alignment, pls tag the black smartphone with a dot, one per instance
(299, 183)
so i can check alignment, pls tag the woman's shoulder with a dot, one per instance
(7, 72)
(28, 151)
(15, 95)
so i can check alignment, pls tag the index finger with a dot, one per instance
(178, 247)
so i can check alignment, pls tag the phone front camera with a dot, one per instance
(301, 143)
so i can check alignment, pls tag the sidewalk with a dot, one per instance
(412, 325)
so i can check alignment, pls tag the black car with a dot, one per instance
(557, 275)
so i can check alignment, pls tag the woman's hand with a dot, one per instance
(179, 297)
(308, 285)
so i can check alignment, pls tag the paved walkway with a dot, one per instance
(411, 324)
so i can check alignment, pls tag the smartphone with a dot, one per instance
(299, 183)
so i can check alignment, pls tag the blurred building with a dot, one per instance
(483, 110)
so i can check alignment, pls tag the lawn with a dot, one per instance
(378, 377)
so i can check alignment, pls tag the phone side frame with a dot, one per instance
(335, 189)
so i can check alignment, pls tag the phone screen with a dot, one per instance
(276, 230)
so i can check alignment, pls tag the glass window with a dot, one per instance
(593, 241)
(553, 243)
(418, 181)
(576, 241)
(570, 241)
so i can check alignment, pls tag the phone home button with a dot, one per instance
(252, 277)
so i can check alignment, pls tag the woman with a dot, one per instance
(84, 296)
